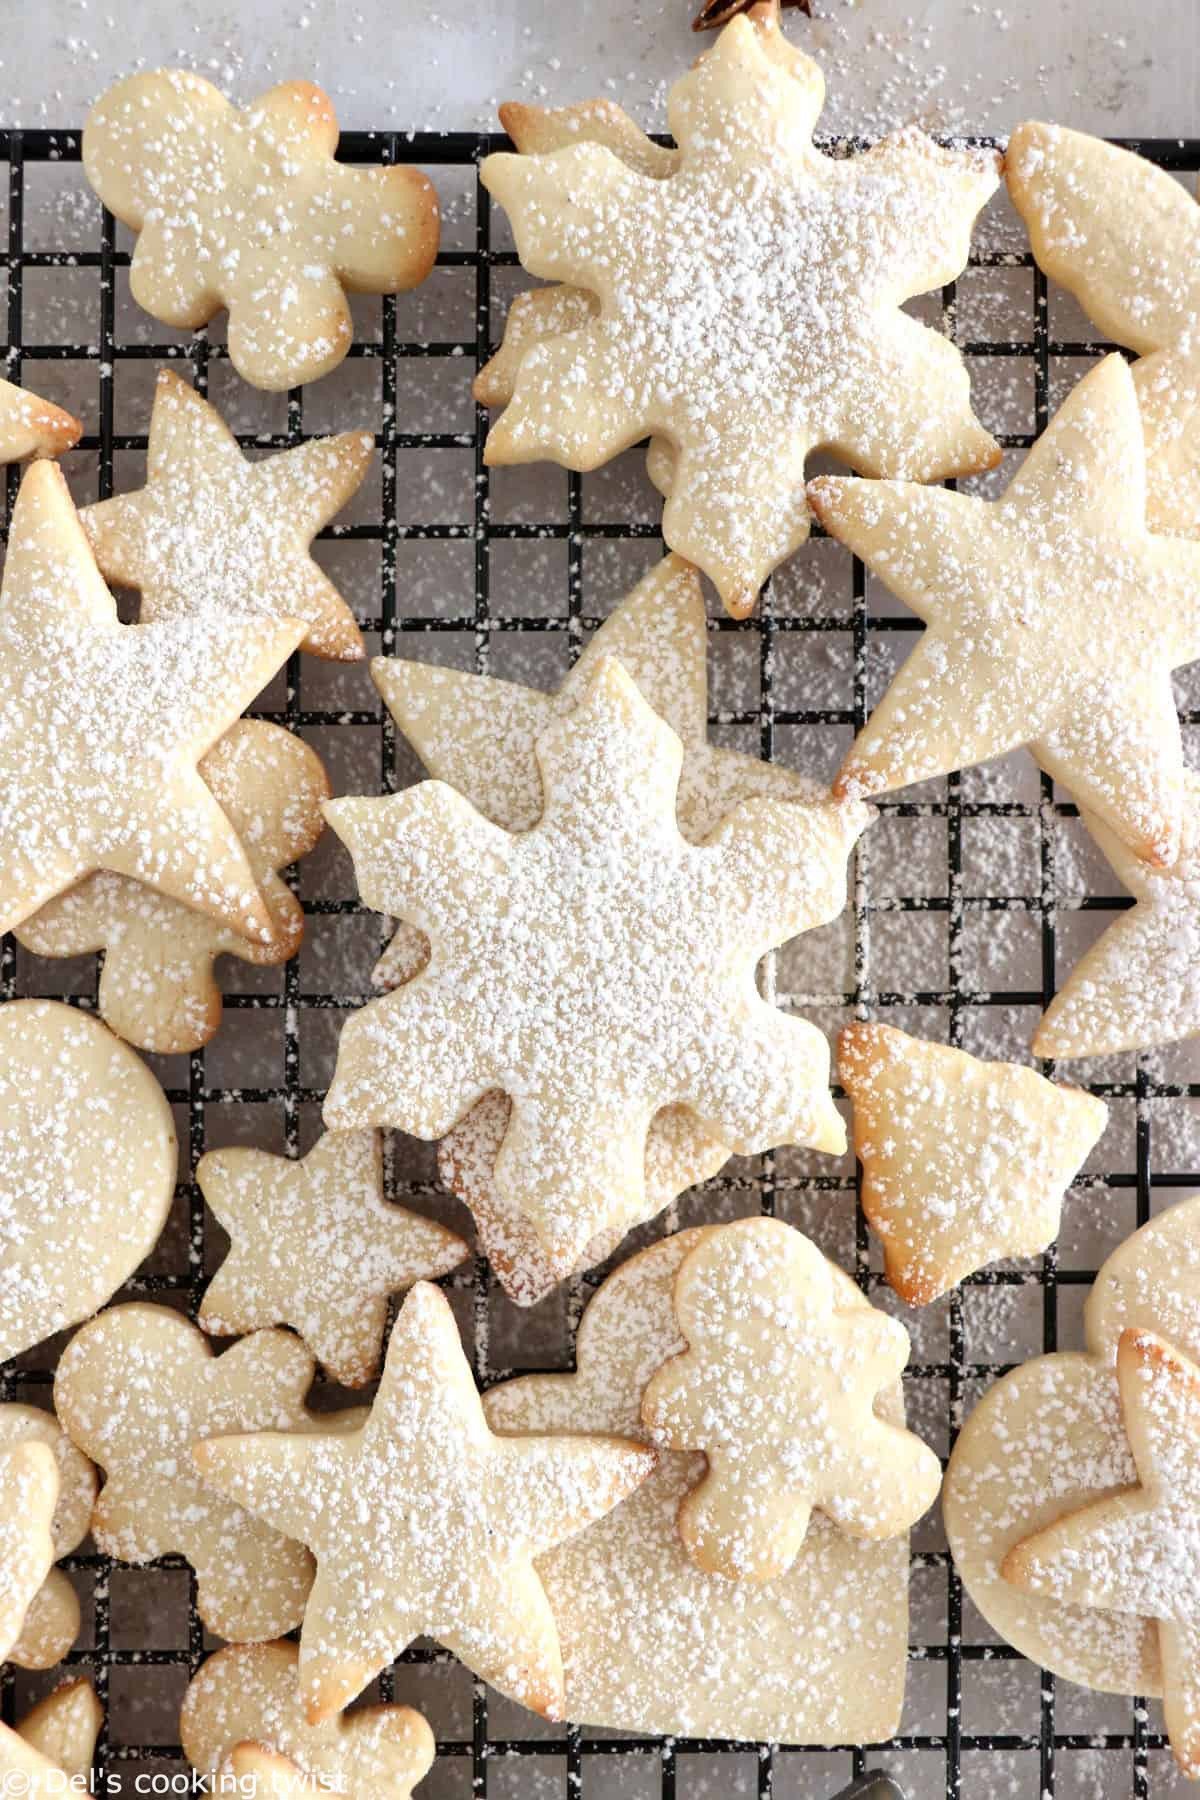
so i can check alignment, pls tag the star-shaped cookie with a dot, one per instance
(30, 426)
(102, 725)
(158, 986)
(50, 1751)
(479, 734)
(248, 209)
(778, 1387)
(316, 1246)
(28, 1496)
(248, 1695)
(213, 535)
(963, 1161)
(749, 305)
(1138, 1551)
(1054, 619)
(51, 1622)
(1139, 984)
(1123, 236)
(595, 968)
(425, 1523)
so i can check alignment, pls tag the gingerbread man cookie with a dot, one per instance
(758, 1309)
(28, 1496)
(250, 210)
(213, 535)
(87, 1168)
(963, 1161)
(158, 986)
(425, 1523)
(102, 725)
(30, 426)
(749, 305)
(1054, 619)
(135, 1389)
(316, 1246)
(52, 1617)
(648, 1000)
(247, 1698)
(50, 1751)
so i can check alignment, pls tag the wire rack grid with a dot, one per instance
(968, 898)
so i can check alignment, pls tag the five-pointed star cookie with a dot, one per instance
(778, 1388)
(596, 968)
(1138, 1551)
(28, 1496)
(52, 1617)
(102, 725)
(425, 1523)
(250, 210)
(1139, 984)
(135, 1388)
(316, 1246)
(50, 1751)
(1054, 619)
(250, 1694)
(30, 426)
(749, 306)
(158, 986)
(479, 734)
(1123, 236)
(963, 1161)
(213, 535)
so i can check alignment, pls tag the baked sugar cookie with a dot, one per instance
(749, 305)
(1122, 235)
(102, 725)
(425, 1524)
(1139, 984)
(135, 1389)
(213, 535)
(963, 1161)
(646, 1000)
(759, 1309)
(87, 1168)
(28, 1496)
(479, 734)
(250, 210)
(52, 1616)
(51, 1750)
(158, 986)
(651, 1642)
(316, 1246)
(248, 1695)
(1054, 619)
(30, 426)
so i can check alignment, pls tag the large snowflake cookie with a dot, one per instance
(963, 1161)
(1071, 1496)
(596, 968)
(653, 1642)
(480, 734)
(87, 1168)
(1054, 619)
(1123, 236)
(778, 1387)
(426, 1523)
(250, 210)
(749, 305)
(158, 986)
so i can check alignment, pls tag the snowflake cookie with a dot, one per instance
(423, 1522)
(250, 210)
(28, 1496)
(1107, 1440)
(52, 1616)
(315, 1245)
(479, 734)
(158, 986)
(50, 1751)
(30, 426)
(1054, 619)
(596, 968)
(778, 1388)
(102, 725)
(1122, 235)
(749, 305)
(963, 1161)
(248, 1696)
(213, 535)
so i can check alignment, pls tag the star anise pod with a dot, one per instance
(719, 12)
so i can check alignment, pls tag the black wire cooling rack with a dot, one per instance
(1047, 1742)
